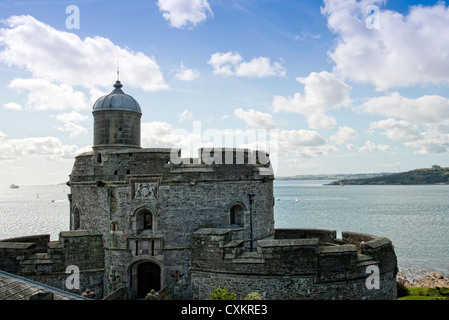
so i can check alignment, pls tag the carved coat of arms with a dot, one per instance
(145, 190)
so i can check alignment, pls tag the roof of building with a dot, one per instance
(13, 287)
(117, 100)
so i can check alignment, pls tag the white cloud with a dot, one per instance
(304, 143)
(433, 139)
(428, 109)
(260, 67)
(185, 13)
(370, 147)
(344, 136)
(322, 92)
(71, 117)
(406, 49)
(397, 130)
(63, 57)
(422, 125)
(12, 106)
(74, 129)
(231, 63)
(159, 134)
(321, 121)
(223, 63)
(186, 115)
(256, 119)
(185, 74)
(50, 148)
(69, 125)
(44, 95)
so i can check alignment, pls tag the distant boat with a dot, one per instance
(13, 186)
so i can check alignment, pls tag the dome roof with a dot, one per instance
(117, 100)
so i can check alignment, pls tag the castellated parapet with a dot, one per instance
(49, 262)
(314, 266)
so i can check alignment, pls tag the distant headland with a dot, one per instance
(434, 175)
(338, 176)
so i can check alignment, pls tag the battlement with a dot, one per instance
(315, 255)
(211, 163)
(38, 258)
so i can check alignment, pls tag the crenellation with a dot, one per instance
(299, 259)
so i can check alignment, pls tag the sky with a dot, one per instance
(332, 86)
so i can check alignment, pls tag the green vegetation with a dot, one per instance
(221, 294)
(413, 293)
(404, 293)
(434, 175)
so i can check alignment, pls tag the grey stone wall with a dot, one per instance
(47, 261)
(292, 287)
(186, 197)
(116, 128)
(291, 268)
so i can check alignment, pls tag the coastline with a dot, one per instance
(422, 279)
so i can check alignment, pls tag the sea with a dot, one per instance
(414, 217)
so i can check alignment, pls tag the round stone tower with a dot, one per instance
(116, 120)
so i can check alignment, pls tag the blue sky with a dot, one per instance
(329, 86)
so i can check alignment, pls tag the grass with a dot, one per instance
(412, 293)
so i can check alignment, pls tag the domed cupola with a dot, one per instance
(116, 120)
(117, 100)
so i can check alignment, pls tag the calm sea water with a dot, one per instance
(32, 210)
(415, 218)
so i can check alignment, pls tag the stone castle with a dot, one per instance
(146, 218)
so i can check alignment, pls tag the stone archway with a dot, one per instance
(143, 220)
(145, 276)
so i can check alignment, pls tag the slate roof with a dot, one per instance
(13, 287)
(117, 100)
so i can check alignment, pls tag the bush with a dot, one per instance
(221, 294)
(438, 292)
(402, 289)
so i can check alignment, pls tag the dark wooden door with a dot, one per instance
(148, 277)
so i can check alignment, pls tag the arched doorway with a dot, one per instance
(148, 276)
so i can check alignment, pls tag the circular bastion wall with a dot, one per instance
(303, 264)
